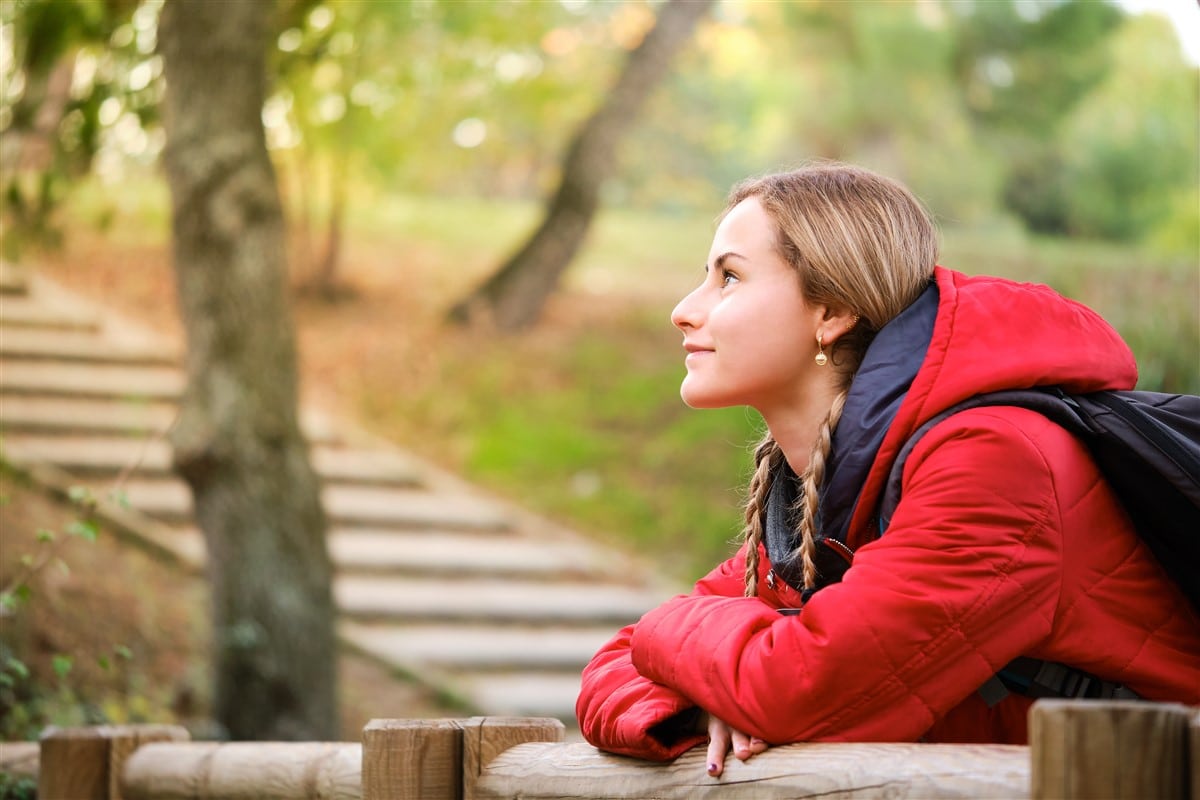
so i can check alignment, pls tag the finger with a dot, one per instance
(757, 745)
(741, 745)
(718, 746)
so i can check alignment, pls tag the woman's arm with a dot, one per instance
(966, 578)
(623, 712)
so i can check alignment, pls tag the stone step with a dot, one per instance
(455, 554)
(12, 280)
(101, 416)
(494, 601)
(50, 414)
(451, 554)
(522, 694)
(479, 647)
(151, 456)
(22, 311)
(82, 346)
(90, 380)
(170, 501)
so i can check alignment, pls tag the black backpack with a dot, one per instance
(1147, 446)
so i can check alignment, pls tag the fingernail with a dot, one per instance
(712, 769)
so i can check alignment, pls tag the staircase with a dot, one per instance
(494, 607)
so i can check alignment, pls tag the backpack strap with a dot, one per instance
(1035, 678)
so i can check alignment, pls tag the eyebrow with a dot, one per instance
(721, 259)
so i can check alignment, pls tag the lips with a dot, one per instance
(695, 353)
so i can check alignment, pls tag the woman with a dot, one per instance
(822, 308)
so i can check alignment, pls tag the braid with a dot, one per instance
(812, 479)
(766, 458)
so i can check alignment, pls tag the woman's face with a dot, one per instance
(749, 334)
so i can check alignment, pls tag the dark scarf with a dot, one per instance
(879, 387)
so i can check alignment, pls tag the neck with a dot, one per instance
(796, 426)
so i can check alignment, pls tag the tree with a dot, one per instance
(477, 102)
(514, 296)
(50, 112)
(238, 442)
(1022, 70)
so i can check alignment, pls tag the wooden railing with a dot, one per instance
(1121, 750)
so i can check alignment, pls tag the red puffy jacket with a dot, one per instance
(1006, 542)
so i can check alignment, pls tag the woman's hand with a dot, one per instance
(722, 739)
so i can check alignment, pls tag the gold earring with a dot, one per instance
(821, 358)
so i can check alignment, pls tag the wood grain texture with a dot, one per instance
(1111, 749)
(123, 742)
(485, 738)
(412, 760)
(74, 764)
(1194, 749)
(82, 763)
(794, 771)
(245, 770)
(19, 759)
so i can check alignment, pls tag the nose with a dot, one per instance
(689, 312)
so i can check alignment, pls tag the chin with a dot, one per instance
(693, 398)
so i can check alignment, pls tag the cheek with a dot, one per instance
(772, 331)
(770, 343)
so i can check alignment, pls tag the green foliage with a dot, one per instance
(979, 105)
(27, 703)
(1021, 70)
(1024, 67)
(81, 76)
(520, 74)
(1130, 148)
(17, 788)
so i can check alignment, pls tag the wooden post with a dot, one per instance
(1113, 749)
(484, 738)
(412, 759)
(86, 763)
(1194, 745)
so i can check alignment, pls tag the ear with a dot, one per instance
(836, 322)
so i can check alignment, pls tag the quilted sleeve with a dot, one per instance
(623, 712)
(966, 578)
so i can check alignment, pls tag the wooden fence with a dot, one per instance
(1088, 749)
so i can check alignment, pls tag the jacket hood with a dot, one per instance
(994, 334)
(986, 334)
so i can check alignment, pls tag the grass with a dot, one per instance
(580, 418)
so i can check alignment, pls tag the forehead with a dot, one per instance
(746, 230)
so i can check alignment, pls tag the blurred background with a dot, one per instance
(417, 145)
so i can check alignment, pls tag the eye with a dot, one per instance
(727, 278)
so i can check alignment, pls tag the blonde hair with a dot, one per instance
(860, 242)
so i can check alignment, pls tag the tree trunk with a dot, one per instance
(238, 442)
(514, 296)
(327, 277)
